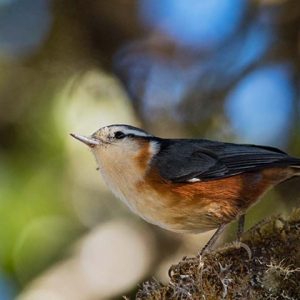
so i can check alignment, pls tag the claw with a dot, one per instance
(239, 244)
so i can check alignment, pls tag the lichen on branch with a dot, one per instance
(272, 271)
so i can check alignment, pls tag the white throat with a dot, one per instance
(120, 172)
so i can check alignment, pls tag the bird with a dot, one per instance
(187, 185)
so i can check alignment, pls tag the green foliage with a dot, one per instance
(35, 224)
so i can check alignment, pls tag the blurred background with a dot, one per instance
(219, 69)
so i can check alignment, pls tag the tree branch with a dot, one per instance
(272, 271)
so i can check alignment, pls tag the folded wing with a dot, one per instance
(191, 160)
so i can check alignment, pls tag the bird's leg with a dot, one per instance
(241, 225)
(212, 240)
(240, 231)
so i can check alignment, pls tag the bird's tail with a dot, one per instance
(296, 170)
(295, 166)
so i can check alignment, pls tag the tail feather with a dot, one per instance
(295, 166)
(296, 170)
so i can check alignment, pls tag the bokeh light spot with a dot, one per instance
(23, 26)
(193, 22)
(261, 105)
(7, 288)
(108, 255)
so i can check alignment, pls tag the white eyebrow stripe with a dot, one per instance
(132, 131)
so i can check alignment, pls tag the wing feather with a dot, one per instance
(189, 160)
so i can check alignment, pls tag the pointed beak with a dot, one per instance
(91, 142)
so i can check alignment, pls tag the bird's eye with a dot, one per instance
(119, 135)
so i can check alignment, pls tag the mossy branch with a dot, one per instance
(272, 271)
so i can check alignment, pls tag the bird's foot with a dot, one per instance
(238, 244)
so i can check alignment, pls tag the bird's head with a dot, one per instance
(116, 139)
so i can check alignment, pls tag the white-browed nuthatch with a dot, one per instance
(186, 185)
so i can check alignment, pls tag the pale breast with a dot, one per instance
(120, 166)
(126, 173)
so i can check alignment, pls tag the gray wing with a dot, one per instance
(189, 160)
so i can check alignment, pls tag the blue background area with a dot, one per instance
(7, 289)
(24, 25)
(261, 105)
(194, 22)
